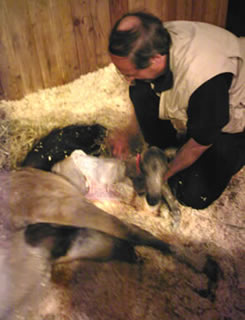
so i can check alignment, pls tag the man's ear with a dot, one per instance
(158, 59)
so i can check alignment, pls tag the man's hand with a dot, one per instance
(119, 140)
(119, 143)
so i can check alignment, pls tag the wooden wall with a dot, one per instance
(44, 43)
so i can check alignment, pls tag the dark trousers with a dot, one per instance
(204, 181)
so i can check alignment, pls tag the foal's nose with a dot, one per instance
(152, 200)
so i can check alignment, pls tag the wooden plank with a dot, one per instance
(117, 9)
(10, 78)
(136, 5)
(44, 36)
(155, 7)
(184, 10)
(209, 12)
(198, 9)
(215, 12)
(169, 10)
(84, 35)
(2, 94)
(64, 44)
(23, 44)
(222, 13)
(164, 15)
(100, 12)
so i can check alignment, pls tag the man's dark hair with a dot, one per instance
(141, 42)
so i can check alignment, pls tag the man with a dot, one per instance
(187, 79)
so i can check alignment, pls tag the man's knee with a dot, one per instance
(195, 191)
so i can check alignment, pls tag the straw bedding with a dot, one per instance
(160, 287)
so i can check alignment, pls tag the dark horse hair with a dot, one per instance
(143, 41)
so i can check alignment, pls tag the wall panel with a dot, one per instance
(117, 9)
(84, 35)
(100, 13)
(10, 78)
(44, 36)
(44, 43)
(64, 43)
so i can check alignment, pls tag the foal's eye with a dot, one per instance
(154, 167)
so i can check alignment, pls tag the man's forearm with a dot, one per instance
(185, 157)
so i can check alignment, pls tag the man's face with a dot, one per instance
(131, 73)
